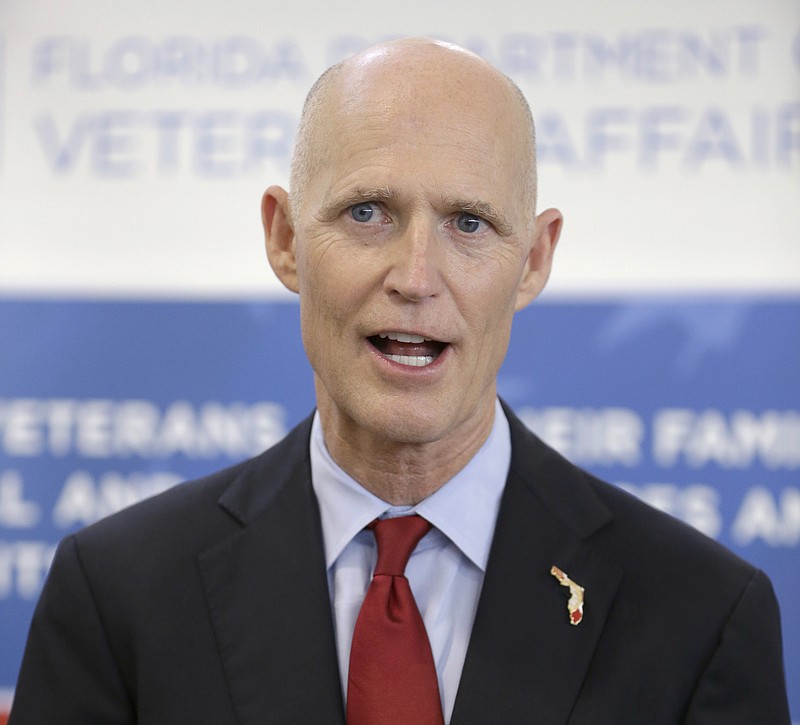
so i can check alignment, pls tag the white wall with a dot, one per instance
(136, 138)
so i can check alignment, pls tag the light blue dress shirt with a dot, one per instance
(445, 571)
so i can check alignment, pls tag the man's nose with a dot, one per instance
(417, 260)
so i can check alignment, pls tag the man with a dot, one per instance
(547, 596)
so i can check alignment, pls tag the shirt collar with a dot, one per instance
(464, 509)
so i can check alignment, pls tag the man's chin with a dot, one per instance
(404, 427)
(386, 423)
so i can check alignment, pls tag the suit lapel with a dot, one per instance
(268, 598)
(525, 661)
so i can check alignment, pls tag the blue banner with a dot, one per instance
(692, 404)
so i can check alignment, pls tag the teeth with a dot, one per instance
(402, 337)
(417, 361)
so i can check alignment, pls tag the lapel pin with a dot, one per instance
(575, 603)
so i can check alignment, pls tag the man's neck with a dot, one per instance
(400, 473)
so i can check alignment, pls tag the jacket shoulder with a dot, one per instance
(197, 512)
(622, 526)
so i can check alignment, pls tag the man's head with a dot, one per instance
(411, 216)
(315, 131)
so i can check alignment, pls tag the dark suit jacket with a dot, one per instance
(209, 604)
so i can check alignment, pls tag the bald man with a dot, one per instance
(411, 238)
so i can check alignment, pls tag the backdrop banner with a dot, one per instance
(693, 404)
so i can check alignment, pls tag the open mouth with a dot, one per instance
(407, 349)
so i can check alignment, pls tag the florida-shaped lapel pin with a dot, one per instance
(575, 603)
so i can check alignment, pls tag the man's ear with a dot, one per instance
(279, 235)
(540, 258)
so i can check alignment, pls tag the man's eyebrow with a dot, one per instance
(332, 208)
(484, 210)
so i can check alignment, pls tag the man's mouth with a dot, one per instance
(407, 349)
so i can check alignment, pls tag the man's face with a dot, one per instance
(411, 245)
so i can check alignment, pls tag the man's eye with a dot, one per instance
(362, 212)
(468, 223)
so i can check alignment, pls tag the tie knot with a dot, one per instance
(396, 539)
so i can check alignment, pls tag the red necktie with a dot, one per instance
(392, 679)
